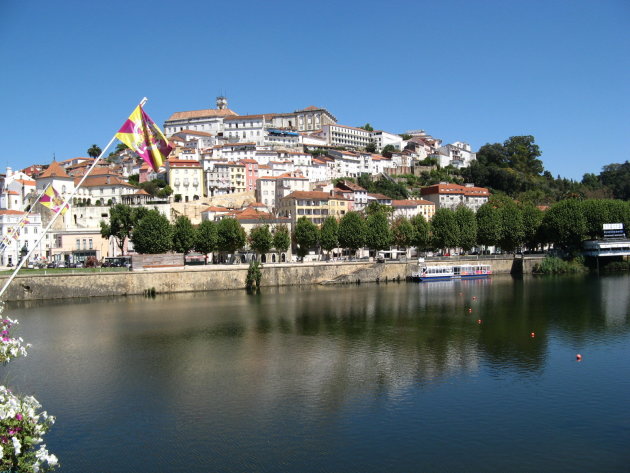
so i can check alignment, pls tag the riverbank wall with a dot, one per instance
(219, 277)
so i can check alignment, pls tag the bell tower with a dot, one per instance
(221, 103)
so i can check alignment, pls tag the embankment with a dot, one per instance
(210, 278)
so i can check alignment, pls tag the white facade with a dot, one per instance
(27, 236)
(384, 138)
(458, 154)
(341, 135)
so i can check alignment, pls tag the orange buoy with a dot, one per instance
(533, 334)
(578, 357)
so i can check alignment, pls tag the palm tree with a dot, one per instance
(94, 151)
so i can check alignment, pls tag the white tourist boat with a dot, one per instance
(440, 272)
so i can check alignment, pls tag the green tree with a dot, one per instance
(153, 234)
(444, 229)
(306, 236)
(183, 235)
(467, 224)
(122, 220)
(532, 219)
(488, 225)
(523, 154)
(281, 238)
(564, 224)
(367, 127)
(329, 234)
(261, 239)
(94, 151)
(134, 180)
(378, 236)
(230, 235)
(421, 232)
(352, 231)
(402, 232)
(164, 192)
(512, 226)
(371, 147)
(206, 237)
(388, 150)
(617, 177)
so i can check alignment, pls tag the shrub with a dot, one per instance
(555, 265)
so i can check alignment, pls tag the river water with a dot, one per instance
(441, 376)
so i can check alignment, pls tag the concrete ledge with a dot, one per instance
(214, 277)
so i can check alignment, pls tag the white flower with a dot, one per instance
(17, 446)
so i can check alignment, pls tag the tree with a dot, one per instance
(617, 178)
(488, 225)
(260, 239)
(371, 147)
(134, 179)
(374, 207)
(329, 234)
(281, 238)
(306, 236)
(206, 237)
(388, 150)
(352, 231)
(153, 234)
(467, 224)
(523, 154)
(421, 233)
(122, 220)
(367, 127)
(94, 151)
(230, 235)
(164, 192)
(444, 229)
(532, 218)
(512, 226)
(378, 236)
(402, 232)
(564, 224)
(183, 235)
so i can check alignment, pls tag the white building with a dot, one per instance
(450, 196)
(341, 135)
(384, 138)
(457, 154)
(20, 238)
(209, 120)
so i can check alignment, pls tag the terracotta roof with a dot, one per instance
(208, 113)
(174, 162)
(379, 197)
(248, 161)
(98, 181)
(11, 212)
(454, 189)
(142, 192)
(7, 191)
(54, 170)
(193, 132)
(411, 203)
(25, 182)
(216, 209)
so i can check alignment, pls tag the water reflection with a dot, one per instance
(296, 361)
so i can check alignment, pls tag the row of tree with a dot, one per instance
(501, 222)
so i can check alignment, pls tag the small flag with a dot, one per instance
(53, 200)
(143, 136)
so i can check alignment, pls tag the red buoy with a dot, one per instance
(533, 334)
(469, 310)
(578, 357)
(479, 321)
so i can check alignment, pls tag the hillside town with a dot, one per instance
(270, 168)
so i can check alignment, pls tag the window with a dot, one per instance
(84, 246)
(91, 243)
(78, 241)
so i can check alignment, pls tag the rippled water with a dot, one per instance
(371, 378)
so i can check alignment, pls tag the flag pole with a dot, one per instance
(63, 206)
(4, 246)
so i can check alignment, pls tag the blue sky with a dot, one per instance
(480, 72)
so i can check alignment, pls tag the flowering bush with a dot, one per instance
(10, 347)
(22, 426)
(22, 423)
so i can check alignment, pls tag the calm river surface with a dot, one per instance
(371, 378)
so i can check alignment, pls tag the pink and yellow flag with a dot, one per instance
(53, 200)
(143, 136)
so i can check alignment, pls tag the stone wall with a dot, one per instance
(208, 278)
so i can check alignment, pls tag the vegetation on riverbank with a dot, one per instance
(555, 265)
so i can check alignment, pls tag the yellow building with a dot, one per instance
(185, 176)
(315, 206)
